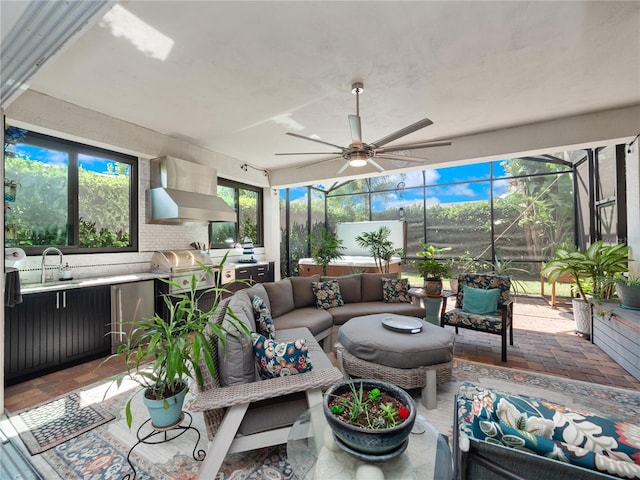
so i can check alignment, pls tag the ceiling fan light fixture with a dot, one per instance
(358, 159)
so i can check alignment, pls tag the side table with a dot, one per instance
(432, 305)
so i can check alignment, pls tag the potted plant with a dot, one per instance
(381, 248)
(162, 355)
(506, 268)
(591, 270)
(433, 270)
(371, 419)
(628, 291)
(325, 247)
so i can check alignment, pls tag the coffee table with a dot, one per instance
(313, 454)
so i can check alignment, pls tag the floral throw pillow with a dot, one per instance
(327, 294)
(264, 322)
(280, 359)
(395, 290)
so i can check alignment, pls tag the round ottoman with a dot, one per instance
(366, 349)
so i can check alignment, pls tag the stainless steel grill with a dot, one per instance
(181, 265)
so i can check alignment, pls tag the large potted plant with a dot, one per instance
(325, 248)
(433, 270)
(163, 354)
(370, 419)
(381, 248)
(591, 270)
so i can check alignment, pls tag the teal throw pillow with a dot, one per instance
(480, 301)
(280, 359)
(262, 315)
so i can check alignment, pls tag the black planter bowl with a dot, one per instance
(383, 442)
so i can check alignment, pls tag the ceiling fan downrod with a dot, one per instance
(357, 88)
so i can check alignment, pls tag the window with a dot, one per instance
(246, 200)
(75, 197)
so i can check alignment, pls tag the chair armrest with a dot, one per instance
(262, 389)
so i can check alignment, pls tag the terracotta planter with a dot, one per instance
(370, 444)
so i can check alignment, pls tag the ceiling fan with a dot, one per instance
(359, 153)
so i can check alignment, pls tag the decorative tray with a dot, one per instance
(402, 324)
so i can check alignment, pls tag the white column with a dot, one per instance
(633, 212)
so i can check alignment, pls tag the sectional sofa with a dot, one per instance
(293, 304)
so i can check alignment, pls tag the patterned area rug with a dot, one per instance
(55, 422)
(102, 452)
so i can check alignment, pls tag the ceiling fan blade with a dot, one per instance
(310, 153)
(425, 122)
(326, 160)
(411, 146)
(315, 140)
(343, 167)
(388, 156)
(356, 130)
(375, 165)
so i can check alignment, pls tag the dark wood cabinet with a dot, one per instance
(254, 274)
(51, 330)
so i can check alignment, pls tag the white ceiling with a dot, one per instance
(234, 77)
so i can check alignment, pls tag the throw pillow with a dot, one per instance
(480, 301)
(280, 359)
(395, 290)
(327, 294)
(264, 322)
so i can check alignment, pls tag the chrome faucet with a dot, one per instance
(44, 257)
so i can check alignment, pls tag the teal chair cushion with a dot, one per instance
(480, 301)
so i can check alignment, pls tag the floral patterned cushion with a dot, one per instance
(395, 290)
(327, 294)
(483, 280)
(486, 323)
(280, 359)
(264, 322)
(554, 431)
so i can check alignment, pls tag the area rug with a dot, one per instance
(102, 452)
(58, 421)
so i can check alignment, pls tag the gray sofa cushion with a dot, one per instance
(367, 339)
(372, 286)
(236, 363)
(315, 319)
(258, 290)
(350, 288)
(302, 291)
(283, 411)
(280, 297)
(350, 310)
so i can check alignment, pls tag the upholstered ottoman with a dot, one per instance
(366, 349)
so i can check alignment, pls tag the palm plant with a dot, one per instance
(381, 248)
(325, 247)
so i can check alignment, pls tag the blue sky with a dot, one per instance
(444, 189)
(56, 158)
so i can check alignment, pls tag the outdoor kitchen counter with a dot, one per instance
(55, 285)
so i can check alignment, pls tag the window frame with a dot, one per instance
(74, 150)
(237, 186)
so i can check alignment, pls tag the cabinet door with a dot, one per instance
(32, 336)
(85, 323)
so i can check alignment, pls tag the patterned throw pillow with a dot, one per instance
(327, 294)
(280, 359)
(264, 322)
(396, 290)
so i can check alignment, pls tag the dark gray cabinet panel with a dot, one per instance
(254, 273)
(54, 329)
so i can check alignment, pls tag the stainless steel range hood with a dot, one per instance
(185, 192)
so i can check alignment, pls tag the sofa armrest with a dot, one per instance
(221, 397)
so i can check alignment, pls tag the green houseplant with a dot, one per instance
(325, 247)
(162, 355)
(433, 270)
(592, 271)
(381, 248)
